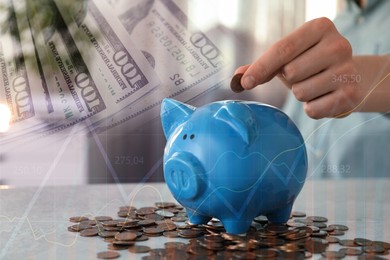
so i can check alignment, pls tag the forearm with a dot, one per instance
(373, 76)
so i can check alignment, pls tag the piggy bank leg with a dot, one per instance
(236, 227)
(196, 218)
(281, 215)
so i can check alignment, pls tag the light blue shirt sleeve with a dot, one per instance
(358, 145)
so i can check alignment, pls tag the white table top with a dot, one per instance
(34, 221)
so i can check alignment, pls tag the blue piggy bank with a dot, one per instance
(232, 160)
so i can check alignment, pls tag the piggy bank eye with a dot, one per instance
(185, 137)
(192, 136)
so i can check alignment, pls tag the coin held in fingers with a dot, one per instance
(235, 83)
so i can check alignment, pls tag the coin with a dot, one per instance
(381, 243)
(297, 239)
(309, 230)
(362, 242)
(123, 213)
(163, 205)
(317, 219)
(289, 247)
(112, 228)
(320, 233)
(261, 219)
(198, 250)
(316, 245)
(298, 235)
(79, 227)
(298, 214)
(314, 228)
(153, 231)
(105, 234)
(117, 247)
(145, 211)
(235, 83)
(108, 255)
(319, 225)
(153, 216)
(215, 238)
(328, 229)
(89, 222)
(179, 219)
(102, 218)
(337, 233)
(164, 213)
(109, 239)
(265, 253)
(89, 232)
(351, 251)
(339, 227)
(347, 242)
(110, 223)
(167, 227)
(188, 233)
(123, 242)
(373, 249)
(332, 240)
(211, 245)
(70, 229)
(146, 222)
(333, 254)
(78, 219)
(295, 224)
(272, 242)
(125, 236)
(277, 228)
(304, 221)
(139, 249)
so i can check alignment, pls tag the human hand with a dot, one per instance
(315, 61)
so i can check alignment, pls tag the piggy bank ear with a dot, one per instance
(174, 113)
(239, 117)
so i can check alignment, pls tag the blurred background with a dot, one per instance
(241, 29)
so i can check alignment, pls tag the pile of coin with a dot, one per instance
(301, 237)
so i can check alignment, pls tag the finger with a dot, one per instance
(329, 105)
(282, 52)
(314, 87)
(317, 59)
(282, 79)
(242, 69)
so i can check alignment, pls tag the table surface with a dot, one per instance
(34, 221)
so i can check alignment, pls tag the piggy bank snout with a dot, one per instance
(182, 174)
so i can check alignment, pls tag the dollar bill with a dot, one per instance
(187, 62)
(74, 93)
(81, 88)
(22, 91)
(109, 52)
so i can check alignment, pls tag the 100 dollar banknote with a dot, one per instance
(24, 90)
(109, 51)
(187, 62)
(82, 86)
